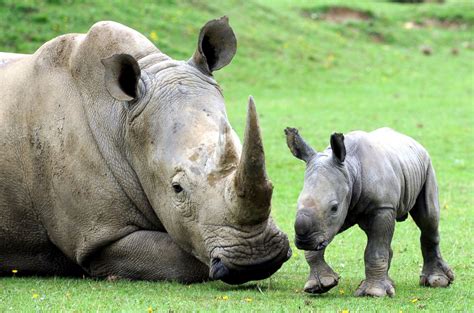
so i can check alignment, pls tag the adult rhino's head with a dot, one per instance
(211, 194)
(324, 201)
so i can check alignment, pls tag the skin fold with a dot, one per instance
(118, 161)
(372, 180)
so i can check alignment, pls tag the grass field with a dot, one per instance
(319, 76)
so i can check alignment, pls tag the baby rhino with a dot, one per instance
(370, 179)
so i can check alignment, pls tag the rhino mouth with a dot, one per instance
(233, 274)
(311, 243)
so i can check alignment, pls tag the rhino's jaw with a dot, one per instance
(234, 275)
(311, 242)
(247, 253)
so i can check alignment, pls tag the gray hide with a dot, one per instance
(370, 179)
(117, 160)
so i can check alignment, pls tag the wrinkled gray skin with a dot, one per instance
(370, 179)
(117, 161)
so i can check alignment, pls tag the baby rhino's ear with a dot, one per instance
(297, 145)
(338, 147)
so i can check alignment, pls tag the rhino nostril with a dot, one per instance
(218, 269)
(322, 245)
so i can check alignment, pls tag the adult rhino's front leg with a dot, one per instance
(321, 276)
(378, 254)
(148, 255)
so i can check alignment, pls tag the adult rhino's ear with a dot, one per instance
(297, 145)
(216, 46)
(122, 74)
(338, 147)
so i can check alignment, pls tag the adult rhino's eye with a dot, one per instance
(334, 208)
(177, 188)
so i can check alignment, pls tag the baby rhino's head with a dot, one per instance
(325, 198)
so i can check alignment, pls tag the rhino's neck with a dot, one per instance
(106, 119)
(354, 171)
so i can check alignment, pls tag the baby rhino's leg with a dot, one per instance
(321, 277)
(379, 229)
(436, 272)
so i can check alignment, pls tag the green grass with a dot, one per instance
(317, 76)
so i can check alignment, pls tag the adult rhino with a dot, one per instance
(118, 161)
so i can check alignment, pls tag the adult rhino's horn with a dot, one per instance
(253, 188)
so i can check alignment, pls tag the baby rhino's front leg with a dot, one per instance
(378, 254)
(321, 277)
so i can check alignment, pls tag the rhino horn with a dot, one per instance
(253, 188)
(226, 154)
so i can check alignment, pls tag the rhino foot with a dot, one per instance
(438, 275)
(380, 288)
(321, 283)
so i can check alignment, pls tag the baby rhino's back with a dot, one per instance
(393, 166)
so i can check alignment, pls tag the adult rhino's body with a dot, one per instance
(116, 160)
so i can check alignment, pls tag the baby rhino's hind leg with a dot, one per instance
(436, 272)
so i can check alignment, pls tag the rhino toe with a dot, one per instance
(324, 284)
(376, 288)
(437, 276)
(435, 280)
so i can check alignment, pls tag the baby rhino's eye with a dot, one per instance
(334, 208)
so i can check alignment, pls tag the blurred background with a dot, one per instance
(322, 66)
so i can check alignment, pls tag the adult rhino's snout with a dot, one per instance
(239, 275)
(218, 269)
(252, 186)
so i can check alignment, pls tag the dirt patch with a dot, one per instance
(377, 37)
(435, 23)
(337, 14)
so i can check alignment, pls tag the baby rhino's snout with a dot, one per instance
(304, 222)
(308, 236)
(304, 228)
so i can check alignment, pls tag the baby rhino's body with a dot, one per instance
(392, 169)
(369, 179)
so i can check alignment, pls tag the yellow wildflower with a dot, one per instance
(248, 299)
(414, 300)
(345, 311)
(330, 58)
(14, 271)
(341, 291)
(225, 298)
(35, 296)
(154, 36)
(150, 309)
